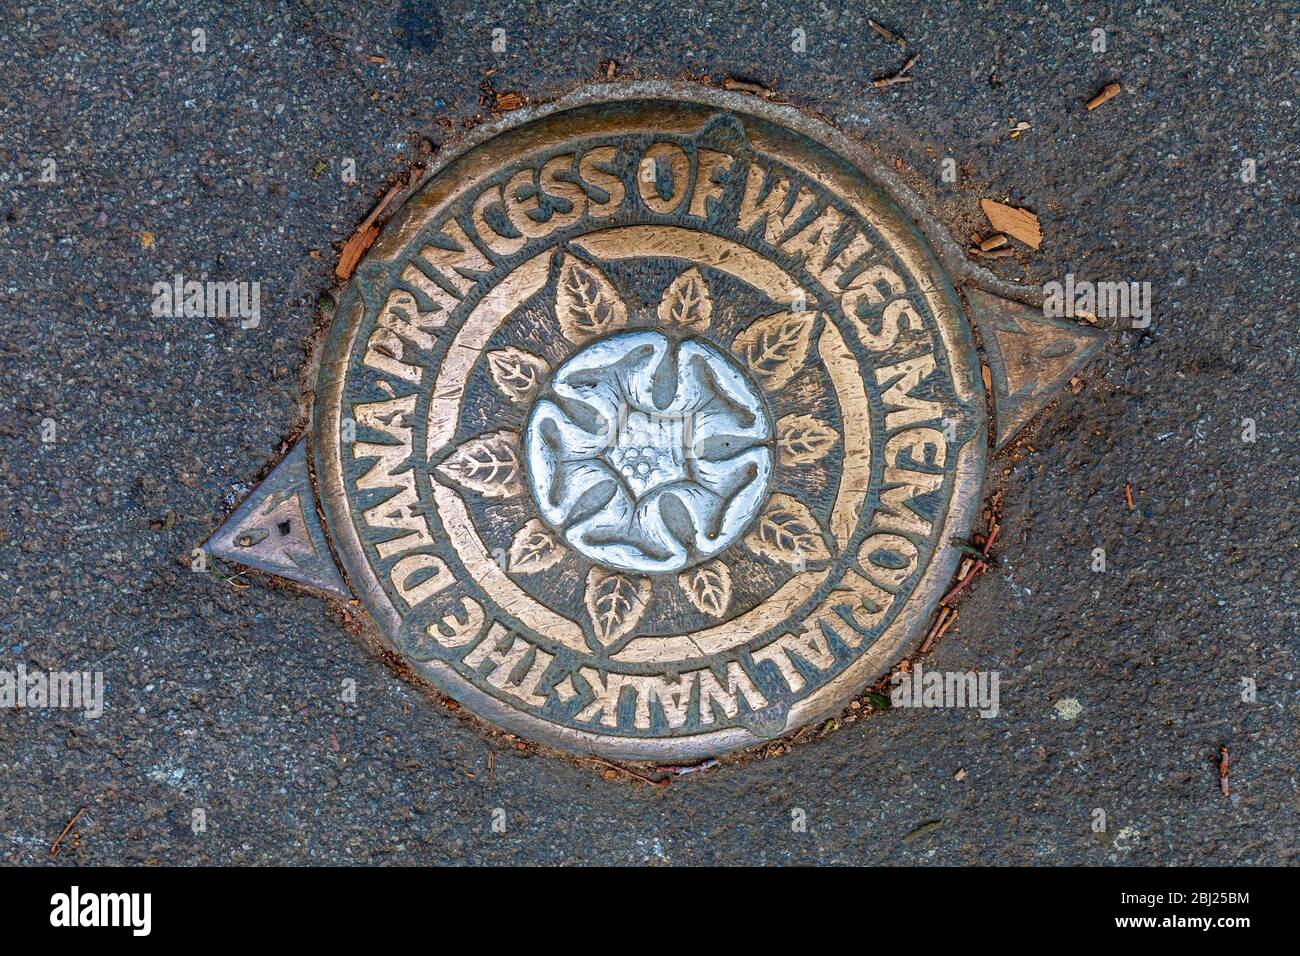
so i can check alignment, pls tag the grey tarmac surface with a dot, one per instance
(225, 165)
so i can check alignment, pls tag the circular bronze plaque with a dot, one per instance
(645, 426)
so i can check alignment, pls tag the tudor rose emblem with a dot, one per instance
(647, 431)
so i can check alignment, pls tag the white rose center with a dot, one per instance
(649, 455)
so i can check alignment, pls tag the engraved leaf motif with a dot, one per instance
(803, 439)
(787, 532)
(517, 373)
(586, 302)
(708, 587)
(615, 603)
(774, 348)
(534, 548)
(488, 464)
(686, 303)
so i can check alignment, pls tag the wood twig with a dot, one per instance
(1108, 92)
(744, 86)
(1223, 770)
(887, 34)
(680, 770)
(54, 848)
(977, 567)
(365, 235)
(941, 624)
(618, 768)
(1005, 252)
(899, 77)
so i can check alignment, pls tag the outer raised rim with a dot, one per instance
(905, 629)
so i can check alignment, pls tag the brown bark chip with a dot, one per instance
(1019, 224)
(509, 101)
(365, 235)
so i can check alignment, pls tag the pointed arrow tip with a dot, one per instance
(276, 529)
(1030, 356)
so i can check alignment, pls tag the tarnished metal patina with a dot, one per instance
(648, 424)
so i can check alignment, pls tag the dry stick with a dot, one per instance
(1223, 770)
(993, 536)
(1108, 92)
(957, 589)
(744, 86)
(630, 772)
(54, 849)
(899, 77)
(364, 236)
(382, 205)
(887, 34)
(976, 568)
(1002, 253)
(946, 616)
(679, 770)
(946, 624)
(929, 637)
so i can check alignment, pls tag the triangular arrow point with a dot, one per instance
(1030, 356)
(276, 529)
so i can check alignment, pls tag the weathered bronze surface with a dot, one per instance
(647, 425)
(276, 529)
(1030, 356)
